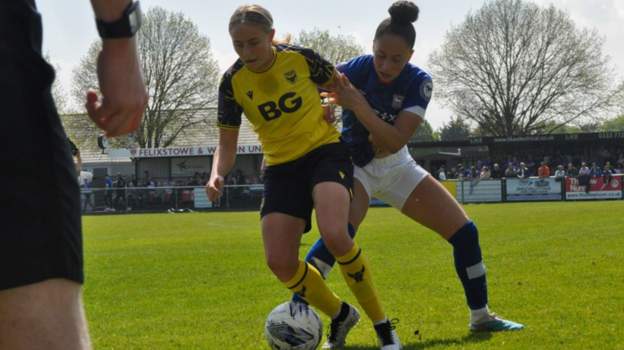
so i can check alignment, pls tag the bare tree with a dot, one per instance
(334, 48)
(516, 68)
(58, 94)
(180, 73)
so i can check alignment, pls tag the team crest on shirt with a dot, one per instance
(397, 101)
(291, 76)
(426, 89)
(250, 94)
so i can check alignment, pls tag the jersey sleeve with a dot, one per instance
(355, 69)
(229, 111)
(321, 70)
(418, 95)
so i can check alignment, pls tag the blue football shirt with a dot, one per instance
(410, 91)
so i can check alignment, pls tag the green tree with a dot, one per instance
(424, 133)
(456, 129)
(615, 124)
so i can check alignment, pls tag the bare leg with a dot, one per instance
(431, 205)
(46, 315)
(359, 204)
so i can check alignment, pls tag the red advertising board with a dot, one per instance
(598, 189)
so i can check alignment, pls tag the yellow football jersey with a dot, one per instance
(282, 103)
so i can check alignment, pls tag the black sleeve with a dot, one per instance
(321, 70)
(73, 147)
(229, 111)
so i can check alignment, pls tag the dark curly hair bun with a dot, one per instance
(403, 12)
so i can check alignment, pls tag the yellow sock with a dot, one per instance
(308, 284)
(356, 272)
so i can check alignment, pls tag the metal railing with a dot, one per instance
(168, 198)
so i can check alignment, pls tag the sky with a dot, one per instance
(69, 27)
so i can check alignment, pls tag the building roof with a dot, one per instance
(204, 134)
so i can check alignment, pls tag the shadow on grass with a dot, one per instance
(419, 345)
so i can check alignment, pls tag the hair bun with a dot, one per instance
(403, 12)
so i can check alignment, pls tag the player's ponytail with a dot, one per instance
(402, 15)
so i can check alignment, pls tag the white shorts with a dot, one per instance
(391, 179)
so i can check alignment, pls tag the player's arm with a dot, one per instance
(109, 10)
(120, 107)
(229, 120)
(389, 138)
(330, 84)
(223, 162)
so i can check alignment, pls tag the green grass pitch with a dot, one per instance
(199, 281)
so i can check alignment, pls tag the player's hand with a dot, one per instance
(345, 94)
(120, 107)
(380, 151)
(214, 187)
(328, 109)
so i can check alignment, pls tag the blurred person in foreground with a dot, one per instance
(41, 259)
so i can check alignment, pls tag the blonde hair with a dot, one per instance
(257, 15)
(254, 14)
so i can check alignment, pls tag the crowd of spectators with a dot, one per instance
(521, 169)
(129, 192)
(124, 193)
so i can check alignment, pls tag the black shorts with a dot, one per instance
(288, 187)
(40, 236)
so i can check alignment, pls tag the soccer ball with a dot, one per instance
(293, 326)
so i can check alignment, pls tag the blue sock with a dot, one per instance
(469, 265)
(320, 257)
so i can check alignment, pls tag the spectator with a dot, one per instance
(523, 171)
(442, 173)
(472, 173)
(84, 179)
(240, 177)
(193, 181)
(253, 179)
(497, 172)
(544, 170)
(460, 171)
(452, 174)
(584, 176)
(572, 171)
(510, 172)
(120, 192)
(560, 173)
(485, 173)
(595, 170)
(108, 194)
(146, 178)
(607, 174)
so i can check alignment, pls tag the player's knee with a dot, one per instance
(332, 229)
(283, 269)
(337, 240)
